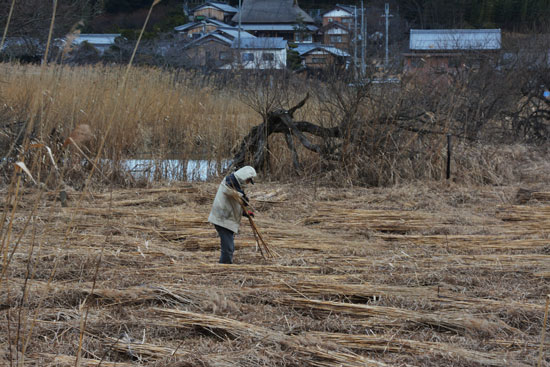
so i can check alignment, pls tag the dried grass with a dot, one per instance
(337, 295)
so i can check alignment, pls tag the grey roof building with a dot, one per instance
(305, 48)
(272, 11)
(454, 39)
(260, 43)
(221, 6)
(275, 18)
(436, 51)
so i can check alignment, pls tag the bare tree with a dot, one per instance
(31, 19)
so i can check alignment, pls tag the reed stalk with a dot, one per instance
(7, 25)
(50, 33)
(543, 332)
(99, 154)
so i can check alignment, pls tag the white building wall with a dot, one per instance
(278, 62)
(337, 31)
(336, 13)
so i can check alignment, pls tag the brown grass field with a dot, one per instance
(431, 274)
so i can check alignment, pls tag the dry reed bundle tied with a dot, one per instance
(265, 250)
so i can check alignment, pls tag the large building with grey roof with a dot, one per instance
(275, 18)
(449, 50)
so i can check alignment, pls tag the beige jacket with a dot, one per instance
(227, 211)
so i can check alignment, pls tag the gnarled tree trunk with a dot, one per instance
(252, 149)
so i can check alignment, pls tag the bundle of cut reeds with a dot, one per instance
(389, 344)
(309, 354)
(264, 248)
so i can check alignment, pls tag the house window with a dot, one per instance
(474, 63)
(248, 56)
(455, 62)
(346, 20)
(268, 56)
(416, 62)
(302, 37)
(224, 55)
(336, 39)
(319, 60)
(330, 20)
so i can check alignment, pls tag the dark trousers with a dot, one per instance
(227, 244)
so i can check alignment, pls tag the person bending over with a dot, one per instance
(226, 210)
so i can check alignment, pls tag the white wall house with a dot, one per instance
(262, 52)
(340, 14)
(101, 42)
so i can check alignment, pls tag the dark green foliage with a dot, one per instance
(173, 19)
(520, 15)
(133, 34)
(293, 60)
(125, 6)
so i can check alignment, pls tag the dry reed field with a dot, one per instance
(431, 274)
(158, 113)
(98, 269)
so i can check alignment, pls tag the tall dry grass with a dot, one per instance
(164, 114)
(160, 114)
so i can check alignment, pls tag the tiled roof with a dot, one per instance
(96, 39)
(222, 6)
(187, 26)
(305, 48)
(261, 43)
(272, 11)
(455, 39)
(275, 27)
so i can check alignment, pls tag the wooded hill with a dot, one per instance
(517, 15)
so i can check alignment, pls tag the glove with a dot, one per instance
(250, 213)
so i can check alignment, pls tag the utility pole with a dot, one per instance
(366, 37)
(355, 39)
(387, 15)
(362, 40)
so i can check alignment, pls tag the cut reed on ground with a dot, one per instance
(334, 296)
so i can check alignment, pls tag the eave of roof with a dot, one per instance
(275, 27)
(221, 6)
(305, 48)
(191, 25)
(97, 39)
(259, 43)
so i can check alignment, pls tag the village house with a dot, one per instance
(339, 28)
(260, 53)
(335, 34)
(214, 49)
(197, 29)
(276, 18)
(450, 50)
(316, 56)
(214, 10)
(101, 42)
(341, 14)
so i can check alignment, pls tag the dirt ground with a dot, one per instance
(427, 274)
